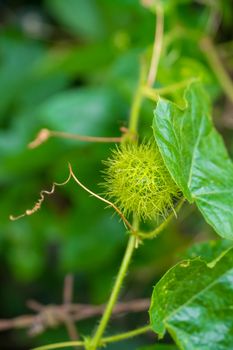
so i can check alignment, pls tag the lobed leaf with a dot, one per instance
(194, 302)
(196, 157)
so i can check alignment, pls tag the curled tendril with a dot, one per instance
(38, 204)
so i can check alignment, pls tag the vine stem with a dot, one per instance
(62, 345)
(137, 102)
(126, 335)
(104, 341)
(157, 47)
(154, 94)
(114, 295)
(154, 233)
(157, 50)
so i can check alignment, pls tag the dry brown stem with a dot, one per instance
(45, 134)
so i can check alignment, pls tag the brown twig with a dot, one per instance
(34, 305)
(67, 300)
(68, 289)
(54, 315)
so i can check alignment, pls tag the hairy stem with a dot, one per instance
(114, 295)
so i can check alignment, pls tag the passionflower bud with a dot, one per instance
(137, 181)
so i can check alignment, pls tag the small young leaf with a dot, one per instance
(196, 157)
(194, 303)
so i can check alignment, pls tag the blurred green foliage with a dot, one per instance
(73, 65)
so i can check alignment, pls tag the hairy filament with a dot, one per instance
(103, 200)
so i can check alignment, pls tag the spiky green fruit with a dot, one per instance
(137, 181)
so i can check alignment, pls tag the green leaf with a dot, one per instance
(80, 17)
(160, 347)
(18, 58)
(208, 251)
(196, 157)
(78, 60)
(83, 111)
(194, 303)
